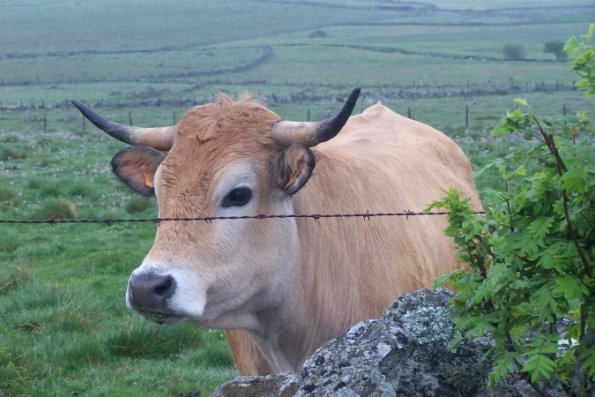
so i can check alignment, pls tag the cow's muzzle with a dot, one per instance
(149, 294)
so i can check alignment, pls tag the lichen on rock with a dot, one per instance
(409, 351)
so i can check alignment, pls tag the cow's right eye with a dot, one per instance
(237, 197)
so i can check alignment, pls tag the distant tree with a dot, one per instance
(556, 48)
(513, 52)
(318, 33)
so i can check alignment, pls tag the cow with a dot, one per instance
(281, 287)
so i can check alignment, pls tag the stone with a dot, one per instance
(275, 385)
(407, 352)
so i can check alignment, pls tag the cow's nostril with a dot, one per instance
(150, 291)
(165, 288)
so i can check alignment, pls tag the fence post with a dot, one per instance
(173, 117)
(308, 115)
(129, 118)
(45, 122)
(466, 117)
(409, 112)
(83, 118)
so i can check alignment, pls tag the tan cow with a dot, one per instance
(286, 285)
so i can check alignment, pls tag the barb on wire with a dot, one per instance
(208, 219)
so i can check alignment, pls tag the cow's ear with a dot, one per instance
(292, 168)
(136, 167)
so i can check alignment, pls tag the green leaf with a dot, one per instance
(570, 287)
(539, 366)
(521, 101)
(540, 227)
(575, 180)
(500, 129)
(587, 359)
(503, 365)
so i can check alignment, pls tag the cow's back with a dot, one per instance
(380, 162)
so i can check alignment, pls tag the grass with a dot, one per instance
(66, 329)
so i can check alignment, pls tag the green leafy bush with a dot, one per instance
(513, 52)
(530, 282)
(583, 54)
(556, 48)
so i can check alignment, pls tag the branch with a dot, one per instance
(508, 207)
(549, 140)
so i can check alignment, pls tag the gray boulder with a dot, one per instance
(407, 352)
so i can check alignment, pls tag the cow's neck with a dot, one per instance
(286, 340)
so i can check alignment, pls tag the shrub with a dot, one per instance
(531, 281)
(556, 48)
(583, 54)
(513, 52)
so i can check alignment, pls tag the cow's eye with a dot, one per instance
(237, 197)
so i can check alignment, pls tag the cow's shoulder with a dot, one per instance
(380, 126)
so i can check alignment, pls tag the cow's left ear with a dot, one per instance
(293, 167)
(136, 167)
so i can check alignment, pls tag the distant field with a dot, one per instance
(65, 328)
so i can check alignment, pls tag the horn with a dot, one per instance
(161, 138)
(286, 133)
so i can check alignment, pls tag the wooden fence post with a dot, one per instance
(466, 117)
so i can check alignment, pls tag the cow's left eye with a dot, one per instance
(237, 197)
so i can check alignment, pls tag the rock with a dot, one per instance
(276, 385)
(404, 353)
(407, 352)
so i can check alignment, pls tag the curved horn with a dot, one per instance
(286, 133)
(161, 138)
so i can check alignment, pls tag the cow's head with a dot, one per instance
(222, 159)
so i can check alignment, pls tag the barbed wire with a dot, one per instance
(208, 219)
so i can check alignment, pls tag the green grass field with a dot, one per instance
(66, 329)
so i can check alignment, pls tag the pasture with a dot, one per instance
(66, 329)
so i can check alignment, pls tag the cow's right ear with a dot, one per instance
(136, 167)
(293, 167)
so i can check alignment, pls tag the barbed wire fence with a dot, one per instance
(208, 219)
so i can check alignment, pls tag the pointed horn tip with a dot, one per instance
(83, 108)
(354, 95)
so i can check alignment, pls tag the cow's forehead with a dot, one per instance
(211, 140)
(225, 119)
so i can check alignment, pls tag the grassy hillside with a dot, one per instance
(65, 328)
